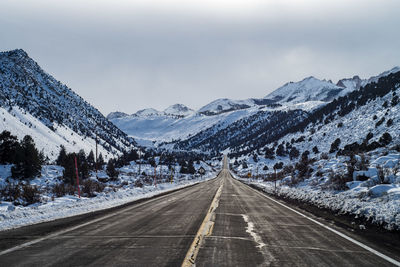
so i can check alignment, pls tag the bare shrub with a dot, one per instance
(138, 183)
(59, 190)
(337, 181)
(364, 163)
(148, 180)
(396, 147)
(70, 189)
(362, 178)
(30, 194)
(90, 187)
(324, 156)
(296, 180)
(381, 174)
(288, 169)
(11, 192)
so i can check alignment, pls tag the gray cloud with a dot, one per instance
(126, 57)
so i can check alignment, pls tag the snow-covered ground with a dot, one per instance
(115, 193)
(20, 123)
(371, 199)
(161, 128)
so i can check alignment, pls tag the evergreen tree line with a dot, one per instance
(85, 164)
(23, 154)
(184, 159)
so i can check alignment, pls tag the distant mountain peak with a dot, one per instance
(178, 110)
(354, 82)
(116, 115)
(147, 112)
(308, 89)
(223, 105)
(309, 78)
(26, 87)
(16, 52)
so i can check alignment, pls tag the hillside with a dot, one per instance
(359, 119)
(33, 102)
(345, 157)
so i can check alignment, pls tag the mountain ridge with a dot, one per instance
(306, 95)
(29, 90)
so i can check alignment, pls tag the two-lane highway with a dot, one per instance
(221, 222)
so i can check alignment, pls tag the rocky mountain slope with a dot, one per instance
(33, 102)
(230, 124)
(361, 121)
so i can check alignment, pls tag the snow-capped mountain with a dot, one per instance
(343, 157)
(148, 112)
(354, 82)
(116, 115)
(179, 110)
(309, 89)
(359, 120)
(159, 126)
(33, 102)
(225, 105)
(167, 128)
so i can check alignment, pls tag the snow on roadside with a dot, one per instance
(16, 216)
(383, 209)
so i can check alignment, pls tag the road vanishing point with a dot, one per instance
(220, 222)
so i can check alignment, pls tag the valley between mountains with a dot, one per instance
(325, 146)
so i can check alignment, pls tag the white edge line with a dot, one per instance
(377, 253)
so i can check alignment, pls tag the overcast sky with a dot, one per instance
(128, 55)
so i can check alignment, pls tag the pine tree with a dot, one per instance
(303, 165)
(385, 139)
(111, 171)
(152, 162)
(269, 153)
(280, 151)
(184, 168)
(244, 165)
(315, 150)
(133, 155)
(190, 168)
(69, 173)
(91, 160)
(294, 153)
(8, 147)
(100, 161)
(83, 166)
(28, 163)
(255, 157)
(62, 156)
(278, 165)
(335, 145)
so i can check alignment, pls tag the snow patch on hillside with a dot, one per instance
(167, 128)
(179, 110)
(309, 89)
(225, 105)
(21, 123)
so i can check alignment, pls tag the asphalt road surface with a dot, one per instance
(221, 222)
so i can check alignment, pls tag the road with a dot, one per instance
(220, 222)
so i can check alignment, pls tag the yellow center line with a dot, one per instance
(205, 229)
